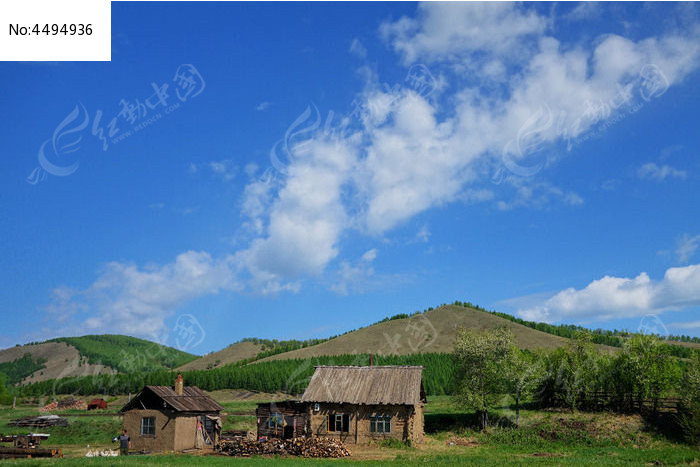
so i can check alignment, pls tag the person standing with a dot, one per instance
(124, 443)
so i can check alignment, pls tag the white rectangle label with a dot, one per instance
(55, 30)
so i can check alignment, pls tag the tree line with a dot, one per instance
(291, 376)
(637, 378)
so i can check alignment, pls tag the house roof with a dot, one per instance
(369, 385)
(192, 399)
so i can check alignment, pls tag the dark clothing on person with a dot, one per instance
(124, 444)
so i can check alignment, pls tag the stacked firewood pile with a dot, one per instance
(316, 447)
(42, 421)
(303, 447)
(65, 404)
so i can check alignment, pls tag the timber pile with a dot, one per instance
(69, 403)
(42, 421)
(303, 447)
(17, 453)
(316, 447)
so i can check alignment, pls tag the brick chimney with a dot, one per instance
(178, 385)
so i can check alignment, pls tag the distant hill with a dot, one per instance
(57, 360)
(127, 354)
(86, 356)
(231, 354)
(432, 331)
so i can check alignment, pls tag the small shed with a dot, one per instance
(283, 419)
(161, 418)
(97, 404)
(362, 403)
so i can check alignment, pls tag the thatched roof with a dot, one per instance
(369, 385)
(192, 399)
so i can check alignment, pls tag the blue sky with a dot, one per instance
(313, 168)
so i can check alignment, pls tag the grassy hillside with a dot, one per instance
(231, 354)
(58, 360)
(127, 354)
(432, 331)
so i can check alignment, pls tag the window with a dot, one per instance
(275, 420)
(380, 424)
(148, 426)
(338, 422)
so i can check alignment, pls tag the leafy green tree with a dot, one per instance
(646, 369)
(689, 408)
(523, 375)
(480, 360)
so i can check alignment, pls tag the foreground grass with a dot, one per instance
(544, 437)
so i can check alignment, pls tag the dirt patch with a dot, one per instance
(456, 441)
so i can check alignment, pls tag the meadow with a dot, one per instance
(551, 437)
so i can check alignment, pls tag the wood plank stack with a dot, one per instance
(42, 421)
(65, 404)
(15, 453)
(303, 447)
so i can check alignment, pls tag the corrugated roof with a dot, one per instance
(192, 399)
(400, 385)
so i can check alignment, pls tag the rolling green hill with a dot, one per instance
(127, 354)
(430, 332)
(86, 356)
(231, 354)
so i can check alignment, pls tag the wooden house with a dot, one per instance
(283, 419)
(161, 418)
(355, 404)
(362, 403)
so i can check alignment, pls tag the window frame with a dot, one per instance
(151, 424)
(335, 418)
(380, 423)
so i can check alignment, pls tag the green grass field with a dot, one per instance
(544, 437)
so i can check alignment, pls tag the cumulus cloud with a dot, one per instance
(443, 29)
(135, 300)
(405, 152)
(306, 217)
(621, 297)
(651, 171)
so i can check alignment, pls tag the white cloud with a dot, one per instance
(444, 29)
(306, 217)
(369, 255)
(356, 277)
(357, 49)
(621, 297)
(584, 10)
(538, 196)
(263, 106)
(685, 325)
(651, 171)
(135, 300)
(226, 169)
(686, 246)
(406, 154)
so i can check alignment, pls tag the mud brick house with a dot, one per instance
(161, 418)
(355, 404)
